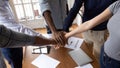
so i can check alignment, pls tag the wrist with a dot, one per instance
(52, 41)
(36, 40)
(54, 31)
(67, 35)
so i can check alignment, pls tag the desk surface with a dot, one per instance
(62, 55)
(66, 61)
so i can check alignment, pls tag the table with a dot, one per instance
(66, 61)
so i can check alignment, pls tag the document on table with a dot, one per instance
(44, 61)
(85, 66)
(74, 43)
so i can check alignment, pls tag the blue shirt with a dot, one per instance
(91, 9)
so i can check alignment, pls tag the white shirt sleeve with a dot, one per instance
(44, 5)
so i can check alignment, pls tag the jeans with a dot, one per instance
(14, 56)
(107, 62)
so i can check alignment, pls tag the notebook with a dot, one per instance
(80, 57)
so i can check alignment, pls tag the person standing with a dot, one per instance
(96, 36)
(13, 55)
(110, 51)
(12, 39)
(54, 12)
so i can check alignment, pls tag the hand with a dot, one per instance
(56, 46)
(59, 37)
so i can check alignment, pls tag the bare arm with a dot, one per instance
(49, 20)
(44, 41)
(91, 23)
(58, 36)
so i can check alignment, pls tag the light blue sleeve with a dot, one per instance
(44, 5)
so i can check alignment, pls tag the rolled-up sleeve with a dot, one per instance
(9, 38)
(44, 5)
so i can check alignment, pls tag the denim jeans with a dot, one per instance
(14, 56)
(107, 62)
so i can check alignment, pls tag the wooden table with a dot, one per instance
(66, 61)
(61, 55)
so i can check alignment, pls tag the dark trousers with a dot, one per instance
(14, 56)
(107, 62)
(49, 31)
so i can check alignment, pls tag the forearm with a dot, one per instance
(58, 36)
(44, 41)
(83, 27)
(91, 23)
(49, 20)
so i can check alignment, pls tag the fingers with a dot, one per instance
(59, 38)
(62, 39)
(56, 46)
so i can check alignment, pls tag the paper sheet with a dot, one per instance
(74, 43)
(85, 66)
(44, 61)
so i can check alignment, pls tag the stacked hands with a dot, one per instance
(59, 39)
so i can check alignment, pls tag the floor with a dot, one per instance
(28, 56)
